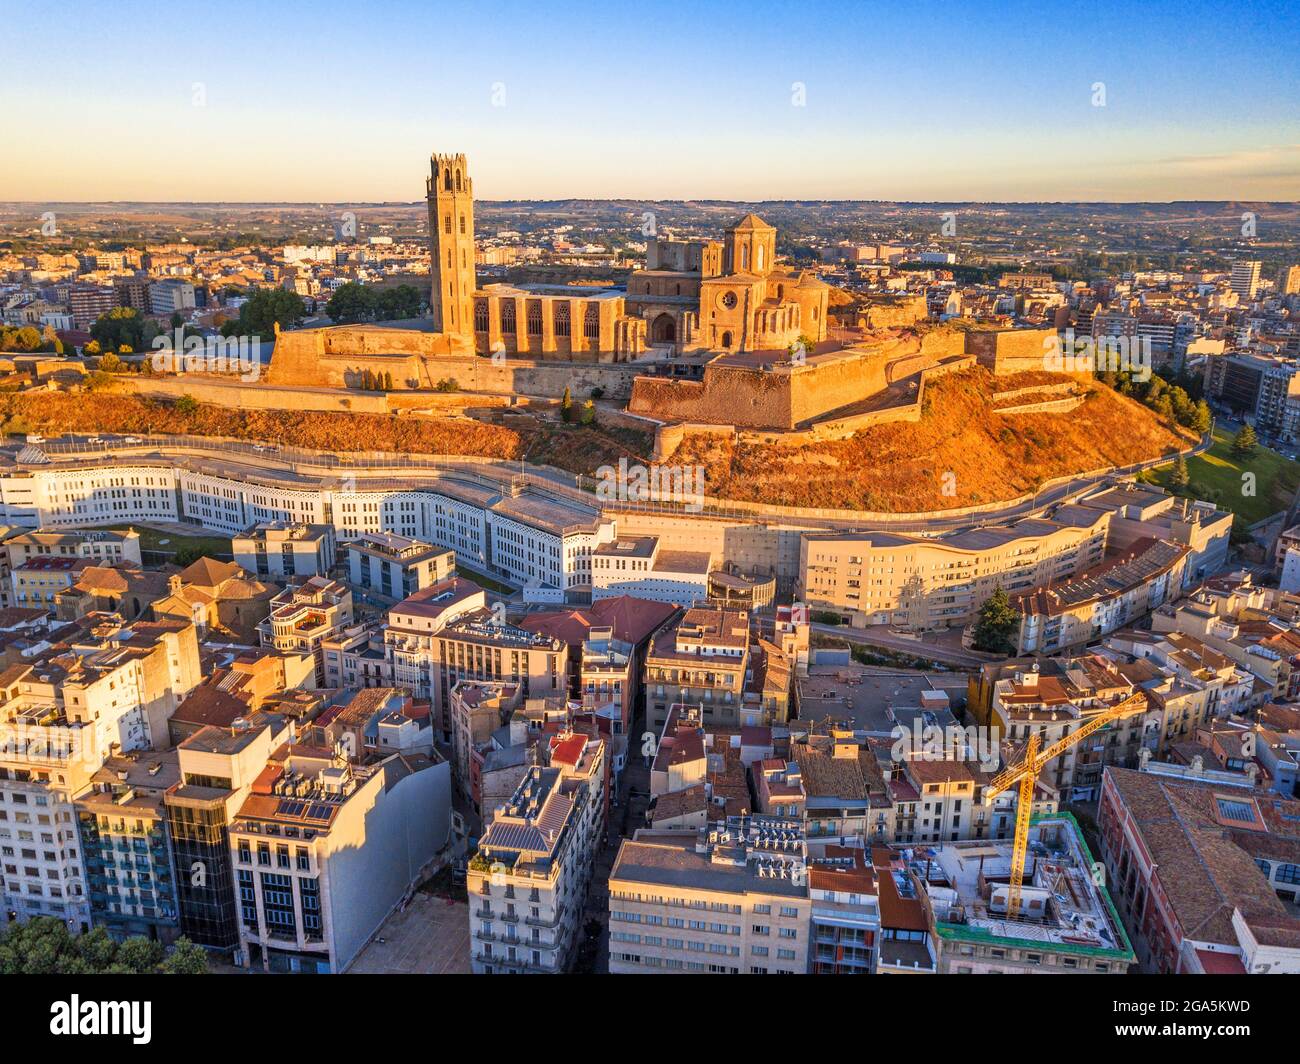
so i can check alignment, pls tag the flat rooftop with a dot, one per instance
(872, 703)
(1073, 912)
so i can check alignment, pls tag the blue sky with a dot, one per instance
(344, 102)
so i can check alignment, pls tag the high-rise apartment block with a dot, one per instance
(528, 881)
(1244, 279)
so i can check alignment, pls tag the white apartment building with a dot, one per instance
(170, 296)
(322, 852)
(546, 546)
(97, 494)
(637, 566)
(102, 546)
(280, 551)
(392, 567)
(304, 615)
(541, 542)
(528, 880)
(57, 727)
(1244, 279)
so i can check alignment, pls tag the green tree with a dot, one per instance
(43, 946)
(139, 955)
(996, 624)
(1202, 418)
(1180, 478)
(186, 958)
(124, 328)
(351, 303)
(27, 338)
(1245, 442)
(1184, 411)
(398, 302)
(266, 308)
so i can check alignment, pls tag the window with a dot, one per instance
(1236, 810)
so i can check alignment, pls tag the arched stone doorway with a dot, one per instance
(663, 330)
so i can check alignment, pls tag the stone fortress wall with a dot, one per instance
(669, 436)
(1010, 351)
(759, 397)
(337, 357)
(780, 397)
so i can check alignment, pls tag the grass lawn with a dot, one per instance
(485, 582)
(1216, 476)
(152, 540)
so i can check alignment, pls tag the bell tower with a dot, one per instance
(450, 194)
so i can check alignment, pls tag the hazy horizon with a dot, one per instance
(482, 201)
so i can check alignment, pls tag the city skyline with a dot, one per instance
(874, 103)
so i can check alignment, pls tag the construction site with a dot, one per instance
(1060, 919)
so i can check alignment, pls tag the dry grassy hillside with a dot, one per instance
(580, 448)
(901, 467)
(895, 468)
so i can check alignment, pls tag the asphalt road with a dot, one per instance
(969, 659)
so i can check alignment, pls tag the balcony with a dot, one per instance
(544, 922)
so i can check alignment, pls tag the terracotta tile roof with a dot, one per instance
(1207, 869)
(207, 572)
(679, 803)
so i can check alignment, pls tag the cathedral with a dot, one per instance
(695, 296)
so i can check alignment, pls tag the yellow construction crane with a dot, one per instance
(1025, 774)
